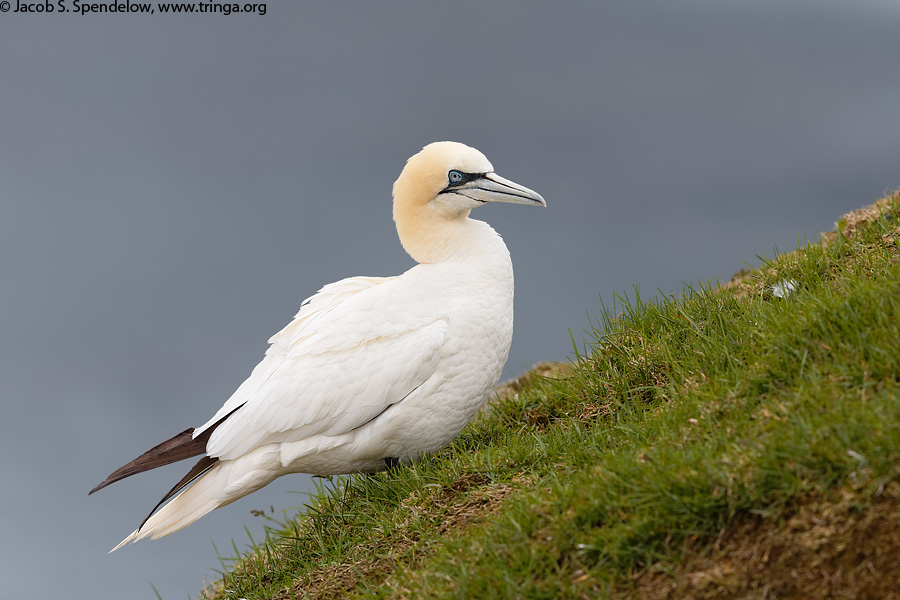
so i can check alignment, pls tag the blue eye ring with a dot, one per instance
(454, 176)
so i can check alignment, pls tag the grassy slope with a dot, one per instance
(694, 449)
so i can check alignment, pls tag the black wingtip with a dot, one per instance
(178, 447)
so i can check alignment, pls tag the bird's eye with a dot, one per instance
(454, 176)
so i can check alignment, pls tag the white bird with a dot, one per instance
(373, 371)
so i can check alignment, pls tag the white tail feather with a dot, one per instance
(201, 497)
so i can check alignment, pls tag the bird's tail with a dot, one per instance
(211, 484)
(203, 496)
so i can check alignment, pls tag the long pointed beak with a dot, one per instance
(493, 188)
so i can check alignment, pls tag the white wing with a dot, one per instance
(355, 348)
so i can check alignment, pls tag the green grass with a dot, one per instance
(678, 416)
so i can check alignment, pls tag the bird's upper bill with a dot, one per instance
(490, 187)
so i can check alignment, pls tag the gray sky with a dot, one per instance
(171, 188)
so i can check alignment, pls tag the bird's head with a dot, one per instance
(440, 185)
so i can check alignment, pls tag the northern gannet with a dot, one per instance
(373, 371)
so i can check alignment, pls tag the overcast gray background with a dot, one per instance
(172, 187)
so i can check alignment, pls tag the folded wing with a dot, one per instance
(357, 347)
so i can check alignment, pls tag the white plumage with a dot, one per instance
(372, 370)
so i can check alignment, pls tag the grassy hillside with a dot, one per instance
(741, 441)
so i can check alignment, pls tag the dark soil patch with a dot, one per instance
(848, 549)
